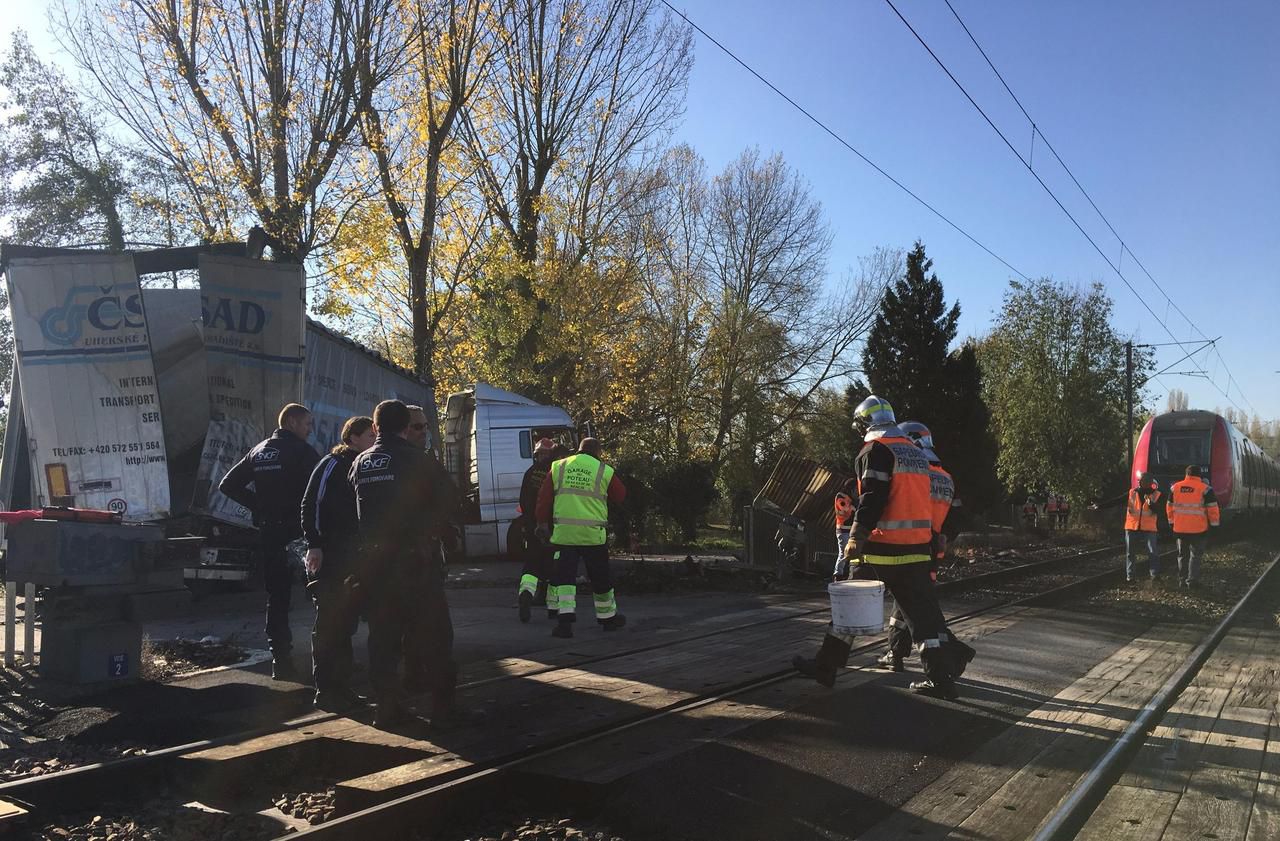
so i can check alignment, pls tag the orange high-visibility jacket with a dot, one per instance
(1192, 507)
(942, 491)
(907, 517)
(1140, 514)
(844, 511)
(1051, 505)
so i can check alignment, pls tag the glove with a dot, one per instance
(314, 558)
(856, 548)
(543, 531)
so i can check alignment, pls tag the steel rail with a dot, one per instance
(395, 816)
(118, 774)
(1088, 792)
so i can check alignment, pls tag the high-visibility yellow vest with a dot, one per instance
(581, 504)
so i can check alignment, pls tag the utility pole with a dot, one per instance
(1128, 399)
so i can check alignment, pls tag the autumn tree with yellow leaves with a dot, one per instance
(253, 104)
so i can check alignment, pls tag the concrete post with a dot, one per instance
(29, 625)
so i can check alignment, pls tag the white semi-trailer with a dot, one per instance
(137, 400)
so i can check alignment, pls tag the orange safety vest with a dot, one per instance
(1051, 505)
(942, 490)
(844, 510)
(1028, 508)
(908, 516)
(1140, 515)
(1188, 511)
(1064, 505)
(942, 493)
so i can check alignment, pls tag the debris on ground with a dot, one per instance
(164, 821)
(39, 758)
(312, 806)
(497, 828)
(166, 659)
(689, 574)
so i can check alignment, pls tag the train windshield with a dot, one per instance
(1177, 449)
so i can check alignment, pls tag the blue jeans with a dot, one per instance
(841, 568)
(1135, 537)
(1190, 549)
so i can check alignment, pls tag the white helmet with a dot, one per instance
(874, 411)
(923, 438)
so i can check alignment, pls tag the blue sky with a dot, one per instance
(1168, 112)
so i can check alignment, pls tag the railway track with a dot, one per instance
(1076, 808)
(123, 779)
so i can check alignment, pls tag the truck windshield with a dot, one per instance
(1181, 448)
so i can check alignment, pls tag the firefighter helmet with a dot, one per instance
(874, 411)
(923, 438)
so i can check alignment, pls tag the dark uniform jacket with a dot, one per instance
(395, 503)
(278, 468)
(529, 487)
(329, 505)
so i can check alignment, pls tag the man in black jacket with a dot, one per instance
(331, 527)
(278, 469)
(396, 507)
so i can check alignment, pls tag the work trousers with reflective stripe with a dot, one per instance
(563, 595)
(900, 634)
(539, 565)
(1190, 550)
(917, 606)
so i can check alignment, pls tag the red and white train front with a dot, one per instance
(1243, 477)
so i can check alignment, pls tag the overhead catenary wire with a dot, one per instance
(839, 139)
(1035, 129)
(1115, 268)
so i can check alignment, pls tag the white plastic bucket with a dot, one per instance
(857, 607)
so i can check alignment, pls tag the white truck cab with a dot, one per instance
(489, 435)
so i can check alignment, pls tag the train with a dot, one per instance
(1245, 479)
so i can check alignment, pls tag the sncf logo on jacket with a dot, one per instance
(374, 467)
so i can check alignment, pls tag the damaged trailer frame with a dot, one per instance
(138, 399)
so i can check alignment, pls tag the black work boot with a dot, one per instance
(391, 713)
(339, 701)
(831, 657)
(563, 630)
(963, 655)
(526, 605)
(939, 688)
(891, 661)
(613, 623)
(282, 667)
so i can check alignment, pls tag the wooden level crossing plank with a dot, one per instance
(1132, 814)
(1218, 801)
(959, 792)
(1264, 818)
(1016, 810)
(1169, 754)
(1207, 754)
